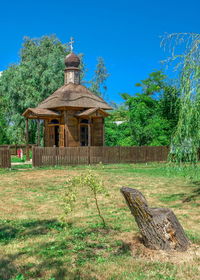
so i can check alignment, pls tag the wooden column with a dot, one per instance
(103, 132)
(89, 132)
(38, 131)
(27, 144)
(66, 129)
(79, 128)
(44, 132)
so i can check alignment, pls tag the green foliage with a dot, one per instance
(19, 277)
(146, 124)
(147, 118)
(92, 182)
(70, 195)
(95, 185)
(186, 139)
(117, 127)
(98, 83)
(38, 74)
(17, 159)
(153, 84)
(154, 112)
(169, 106)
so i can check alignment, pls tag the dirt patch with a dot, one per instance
(139, 250)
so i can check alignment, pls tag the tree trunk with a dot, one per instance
(159, 227)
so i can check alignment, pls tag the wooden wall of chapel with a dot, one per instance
(72, 127)
(49, 135)
(97, 132)
(69, 132)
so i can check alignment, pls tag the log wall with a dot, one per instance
(97, 132)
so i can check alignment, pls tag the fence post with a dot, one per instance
(33, 156)
(54, 155)
(37, 157)
(119, 152)
(8, 158)
(5, 158)
(89, 155)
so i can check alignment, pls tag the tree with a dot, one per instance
(117, 127)
(153, 84)
(38, 74)
(98, 83)
(169, 103)
(147, 118)
(153, 113)
(186, 139)
(146, 124)
(3, 138)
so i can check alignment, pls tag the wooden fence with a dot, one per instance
(5, 158)
(91, 155)
(14, 148)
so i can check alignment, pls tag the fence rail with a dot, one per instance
(49, 156)
(5, 158)
(14, 148)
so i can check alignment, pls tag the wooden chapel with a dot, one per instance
(73, 116)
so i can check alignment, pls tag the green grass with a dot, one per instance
(171, 197)
(194, 237)
(17, 159)
(35, 243)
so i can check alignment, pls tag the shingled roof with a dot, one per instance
(73, 95)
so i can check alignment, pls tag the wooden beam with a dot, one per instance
(66, 128)
(79, 132)
(89, 132)
(38, 131)
(44, 132)
(103, 131)
(27, 140)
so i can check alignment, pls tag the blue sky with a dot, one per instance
(125, 33)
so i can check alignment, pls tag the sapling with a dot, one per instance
(96, 186)
(70, 195)
(89, 180)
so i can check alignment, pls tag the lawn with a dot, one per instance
(36, 243)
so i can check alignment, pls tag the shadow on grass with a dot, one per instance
(44, 256)
(22, 230)
(171, 197)
(195, 194)
(10, 230)
(34, 270)
(59, 254)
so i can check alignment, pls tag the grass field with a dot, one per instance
(35, 243)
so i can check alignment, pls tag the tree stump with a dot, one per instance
(159, 227)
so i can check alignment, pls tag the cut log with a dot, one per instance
(159, 227)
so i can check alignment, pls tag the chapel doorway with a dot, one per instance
(57, 136)
(84, 135)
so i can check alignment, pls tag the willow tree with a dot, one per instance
(185, 57)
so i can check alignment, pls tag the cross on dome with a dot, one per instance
(71, 42)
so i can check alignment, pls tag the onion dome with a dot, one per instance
(72, 60)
